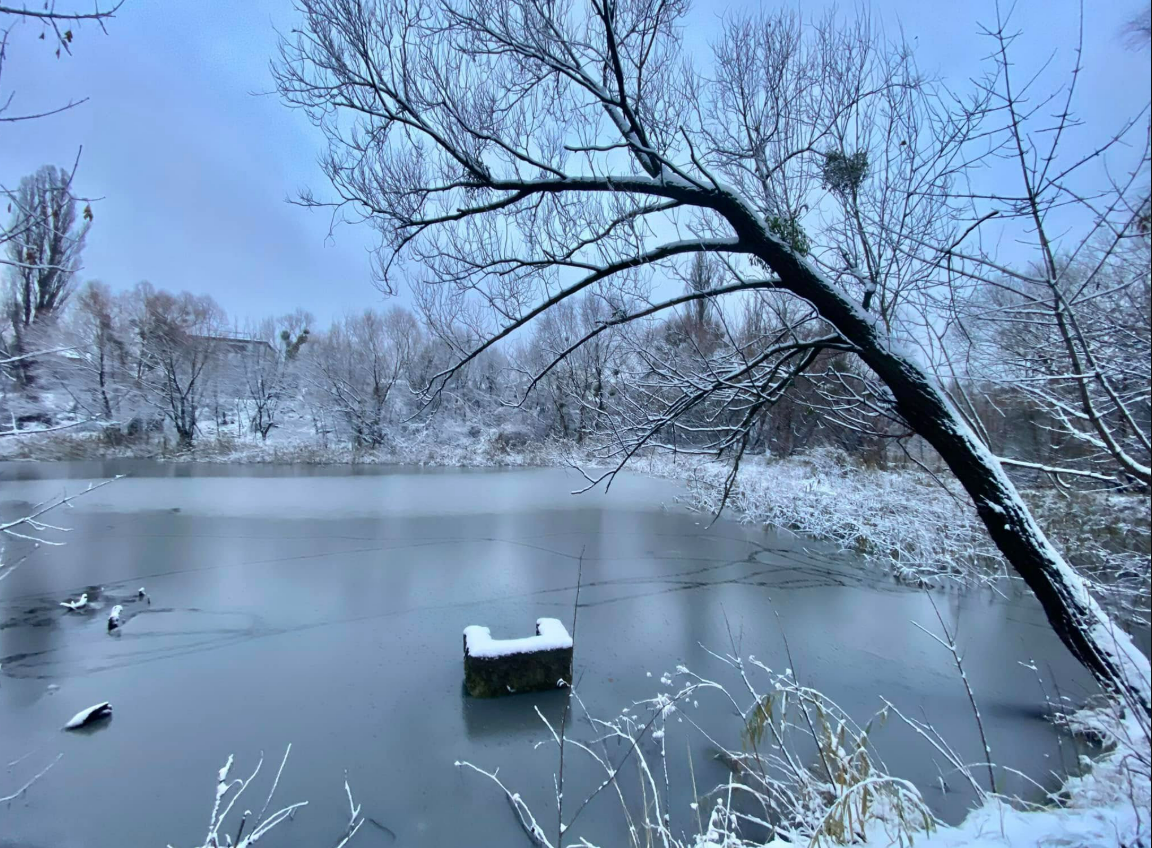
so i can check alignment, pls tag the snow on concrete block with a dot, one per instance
(494, 667)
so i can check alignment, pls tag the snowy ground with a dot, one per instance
(1109, 806)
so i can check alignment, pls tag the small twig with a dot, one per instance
(275, 783)
(30, 520)
(568, 704)
(354, 813)
(951, 646)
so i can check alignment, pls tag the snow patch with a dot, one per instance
(551, 635)
(89, 715)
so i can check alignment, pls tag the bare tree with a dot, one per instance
(523, 152)
(359, 364)
(1068, 331)
(94, 311)
(584, 378)
(61, 23)
(98, 375)
(28, 255)
(43, 245)
(293, 331)
(1072, 353)
(704, 275)
(178, 342)
(268, 368)
(31, 245)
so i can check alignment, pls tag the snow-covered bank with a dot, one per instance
(1106, 807)
(905, 519)
(452, 446)
(924, 528)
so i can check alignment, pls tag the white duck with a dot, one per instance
(77, 604)
(114, 619)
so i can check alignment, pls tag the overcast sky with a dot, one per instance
(193, 167)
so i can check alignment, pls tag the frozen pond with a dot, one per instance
(324, 607)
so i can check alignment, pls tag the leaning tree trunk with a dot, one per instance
(1074, 614)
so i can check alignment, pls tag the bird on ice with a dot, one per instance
(77, 604)
(114, 619)
(142, 595)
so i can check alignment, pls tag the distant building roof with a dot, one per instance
(236, 343)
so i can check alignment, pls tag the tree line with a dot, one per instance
(144, 360)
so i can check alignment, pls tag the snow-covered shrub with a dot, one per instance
(773, 797)
(1105, 807)
(806, 774)
(512, 438)
(1123, 775)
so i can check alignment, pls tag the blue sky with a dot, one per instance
(193, 166)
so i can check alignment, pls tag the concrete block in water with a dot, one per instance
(495, 667)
